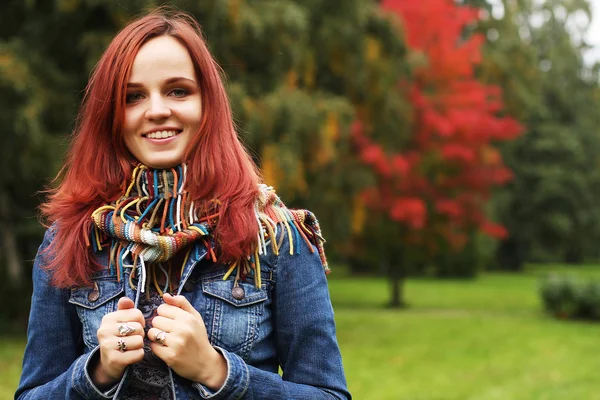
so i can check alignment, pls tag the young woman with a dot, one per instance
(169, 271)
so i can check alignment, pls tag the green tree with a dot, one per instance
(549, 208)
(33, 99)
(297, 73)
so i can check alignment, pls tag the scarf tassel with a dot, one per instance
(154, 220)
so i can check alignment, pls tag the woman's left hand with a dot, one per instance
(186, 348)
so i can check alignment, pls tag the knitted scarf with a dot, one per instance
(154, 219)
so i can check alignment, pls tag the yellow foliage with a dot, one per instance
(490, 156)
(31, 111)
(359, 215)
(373, 49)
(310, 71)
(332, 127)
(248, 105)
(272, 174)
(292, 79)
(68, 6)
(13, 70)
(234, 10)
(298, 180)
(330, 133)
(6, 59)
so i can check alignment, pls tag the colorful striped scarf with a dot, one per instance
(154, 220)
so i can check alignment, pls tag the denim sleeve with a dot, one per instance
(53, 364)
(307, 348)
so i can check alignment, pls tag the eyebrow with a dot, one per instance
(167, 82)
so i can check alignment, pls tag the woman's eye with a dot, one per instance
(179, 92)
(132, 97)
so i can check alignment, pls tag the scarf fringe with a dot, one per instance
(153, 220)
(275, 220)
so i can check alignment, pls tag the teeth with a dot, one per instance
(161, 134)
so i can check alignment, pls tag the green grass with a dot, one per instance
(485, 339)
(11, 354)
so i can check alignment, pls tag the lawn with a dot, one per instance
(484, 339)
(11, 354)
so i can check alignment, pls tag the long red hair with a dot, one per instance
(98, 164)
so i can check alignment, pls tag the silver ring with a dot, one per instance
(122, 346)
(125, 329)
(160, 337)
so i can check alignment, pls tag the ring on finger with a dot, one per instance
(125, 329)
(160, 337)
(122, 346)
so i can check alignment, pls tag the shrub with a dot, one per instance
(567, 297)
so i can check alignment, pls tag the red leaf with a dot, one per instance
(494, 230)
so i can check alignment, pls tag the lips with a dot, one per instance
(162, 134)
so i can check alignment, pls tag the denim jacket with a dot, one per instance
(287, 322)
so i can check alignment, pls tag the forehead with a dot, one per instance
(161, 58)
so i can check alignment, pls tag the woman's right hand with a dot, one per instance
(113, 360)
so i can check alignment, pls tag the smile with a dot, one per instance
(161, 134)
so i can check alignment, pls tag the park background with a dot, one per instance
(449, 149)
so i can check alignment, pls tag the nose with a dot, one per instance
(158, 109)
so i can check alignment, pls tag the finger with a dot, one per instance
(165, 353)
(110, 322)
(115, 359)
(129, 315)
(181, 302)
(130, 343)
(163, 324)
(111, 356)
(125, 303)
(138, 329)
(159, 336)
(130, 356)
(172, 312)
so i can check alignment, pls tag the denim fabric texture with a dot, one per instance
(287, 322)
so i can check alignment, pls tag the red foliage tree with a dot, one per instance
(438, 186)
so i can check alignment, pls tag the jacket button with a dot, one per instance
(238, 293)
(94, 294)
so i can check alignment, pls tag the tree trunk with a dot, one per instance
(9, 245)
(510, 255)
(397, 278)
(574, 255)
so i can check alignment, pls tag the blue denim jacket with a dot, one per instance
(287, 322)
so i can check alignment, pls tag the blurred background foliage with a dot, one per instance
(339, 107)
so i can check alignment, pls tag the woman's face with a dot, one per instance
(163, 106)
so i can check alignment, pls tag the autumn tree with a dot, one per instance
(436, 188)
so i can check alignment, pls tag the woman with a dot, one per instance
(168, 271)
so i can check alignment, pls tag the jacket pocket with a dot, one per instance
(233, 314)
(93, 303)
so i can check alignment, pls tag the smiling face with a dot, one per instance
(163, 104)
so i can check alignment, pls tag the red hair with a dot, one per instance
(98, 164)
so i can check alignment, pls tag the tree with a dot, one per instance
(294, 81)
(535, 53)
(35, 99)
(436, 189)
